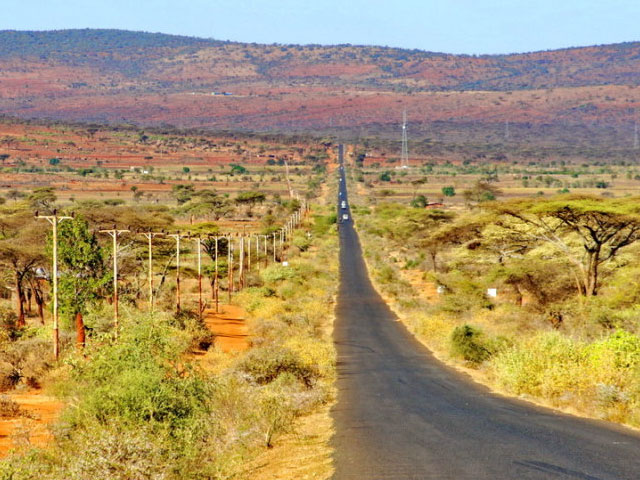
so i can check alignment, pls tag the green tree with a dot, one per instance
(419, 201)
(207, 203)
(250, 198)
(237, 169)
(449, 191)
(588, 231)
(182, 193)
(385, 177)
(209, 246)
(42, 198)
(83, 271)
(482, 191)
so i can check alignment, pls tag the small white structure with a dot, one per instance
(492, 292)
(285, 264)
(440, 289)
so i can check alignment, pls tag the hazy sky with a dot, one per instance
(454, 26)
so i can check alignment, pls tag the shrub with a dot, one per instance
(25, 360)
(265, 364)
(546, 365)
(468, 342)
(276, 273)
(8, 408)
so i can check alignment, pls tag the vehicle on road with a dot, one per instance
(345, 217)
(343, 205)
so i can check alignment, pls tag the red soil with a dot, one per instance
(32, 429)
(229, 327)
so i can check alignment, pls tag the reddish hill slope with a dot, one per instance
(153, 79)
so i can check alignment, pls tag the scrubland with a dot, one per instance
(501, 288)
(144, 407)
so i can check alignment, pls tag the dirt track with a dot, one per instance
(229, 327)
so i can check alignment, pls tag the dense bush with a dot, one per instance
(468, 342)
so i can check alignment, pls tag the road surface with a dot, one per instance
(401, 414)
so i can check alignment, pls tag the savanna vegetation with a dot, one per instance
(537, 294)
(150, 394)
(143, 407)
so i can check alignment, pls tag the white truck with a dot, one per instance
(343, 205)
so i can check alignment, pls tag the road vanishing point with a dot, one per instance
(402, 414)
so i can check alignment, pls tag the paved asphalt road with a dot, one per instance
(401, 414)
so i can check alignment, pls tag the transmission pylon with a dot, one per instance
(404, 158)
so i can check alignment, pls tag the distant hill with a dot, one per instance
(413, 69)
(63, 43)
(149, 78)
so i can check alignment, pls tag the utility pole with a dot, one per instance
(216, 290)
(258, 252)
(249, 253)
(149, 236)
(199, 250)
(241, 266)
(636, 140)
(115, 233)
(266, 255)
(54, 220)
(274, 247)
(177, 236)
(230, 266)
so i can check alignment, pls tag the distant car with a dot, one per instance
(345, 217)
(343, 204)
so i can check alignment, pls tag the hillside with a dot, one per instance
(114, 76)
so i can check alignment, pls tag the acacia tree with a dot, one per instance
(83, 269)
(250, 199)
(447, 233)
(482, 191)
(588, 231)
(19, 252)
(42, 198)
(209, 246)
(207, 203)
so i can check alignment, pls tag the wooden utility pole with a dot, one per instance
(249, 253)
(54, 220)
(177, 236)
(199, 250)
(149, 236)
(258, 252)
(230, 265)
(241, 265)
(266, 255)
(216, 281)
(115, 233)
(274, 247)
